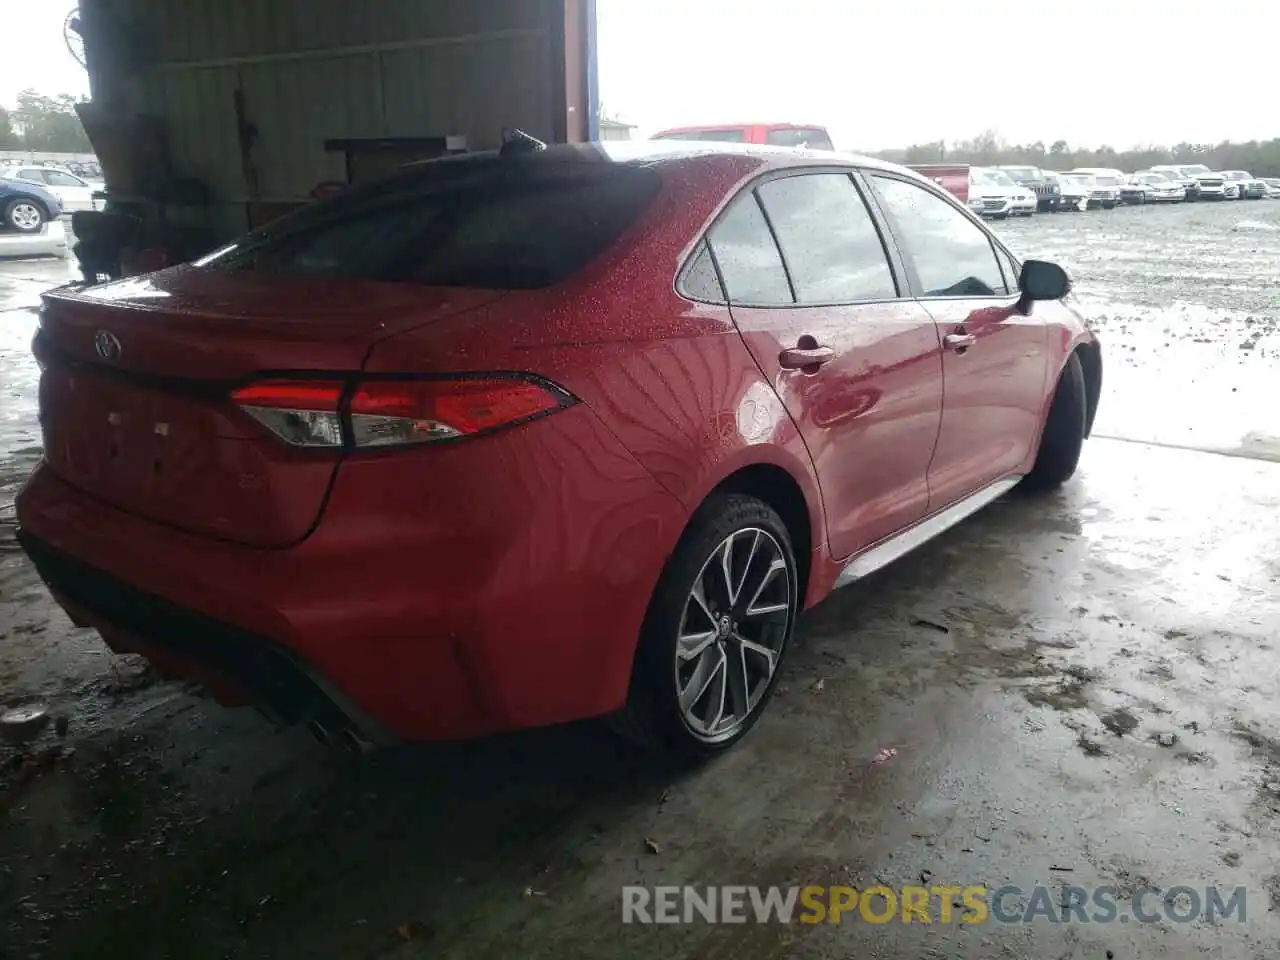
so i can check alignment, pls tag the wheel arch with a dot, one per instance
(775, 486)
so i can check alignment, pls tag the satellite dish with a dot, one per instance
(71, 34)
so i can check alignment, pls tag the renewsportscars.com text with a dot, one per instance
(930, 905)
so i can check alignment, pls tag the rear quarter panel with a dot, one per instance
(671, 379)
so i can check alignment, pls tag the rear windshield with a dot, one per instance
(813, 138)
(503, 226)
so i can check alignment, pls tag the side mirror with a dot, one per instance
(1041, 280)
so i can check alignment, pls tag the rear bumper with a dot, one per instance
(237, 666)
(445, 594)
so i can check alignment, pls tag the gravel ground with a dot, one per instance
(1079, 689)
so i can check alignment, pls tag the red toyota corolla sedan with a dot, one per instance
(504, 441)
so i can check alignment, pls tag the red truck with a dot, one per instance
(952, 177)
(774, 134)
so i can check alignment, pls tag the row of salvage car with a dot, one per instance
(1010, 191)
(999, 192)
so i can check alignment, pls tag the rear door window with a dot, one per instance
(748, 256)
(952, 256)
(31, 175)
(490, 226)
(700, 281)
(831, 245)
(58, 179)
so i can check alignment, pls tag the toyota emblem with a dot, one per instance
(107, 345)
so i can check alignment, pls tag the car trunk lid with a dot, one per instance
(135, 392)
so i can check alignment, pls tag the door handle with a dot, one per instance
(805, 358)
(959, 342)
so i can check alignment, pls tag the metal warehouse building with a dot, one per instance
(230, 112)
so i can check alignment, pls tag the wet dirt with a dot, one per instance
(1073, 689)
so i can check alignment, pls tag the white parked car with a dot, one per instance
(1214, 186)
(1105, 176)
(1187, 174)
(1152, 188)
(1249, 186)
(73, 192)
(1273, 187)
(1104, 185)
(1209, 185)
(992, 193)
(49, 241)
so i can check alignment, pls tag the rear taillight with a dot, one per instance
(304, 413)
(387, 412)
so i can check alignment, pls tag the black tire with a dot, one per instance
(25, 216)
(1108, 205)
(1064, 431)
(652, 718)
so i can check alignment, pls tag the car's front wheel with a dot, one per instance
(25, 216)
(1062, 439)
(716, 631)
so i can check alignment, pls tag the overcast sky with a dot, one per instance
(901, 71)
(1121, 72)
(41, 60)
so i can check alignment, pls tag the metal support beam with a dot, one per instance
(593, 71)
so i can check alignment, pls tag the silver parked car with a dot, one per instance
(1152, 188)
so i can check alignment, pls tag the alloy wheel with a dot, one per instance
(25, 216)
(735, 622)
